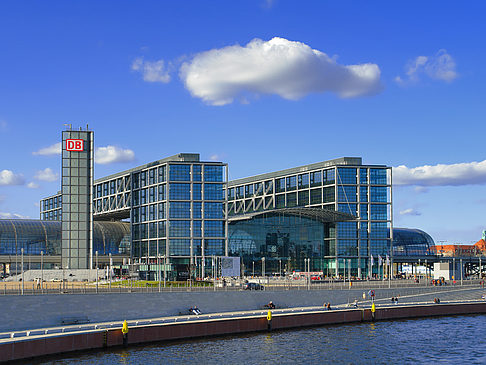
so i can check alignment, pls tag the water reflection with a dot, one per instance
(445, 339)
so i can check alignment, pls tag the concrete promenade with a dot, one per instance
(38, 340)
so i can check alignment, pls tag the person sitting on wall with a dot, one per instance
(270, 305)
(328, 306)
(195, 310)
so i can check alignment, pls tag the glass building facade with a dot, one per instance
(175, 206)
(185, 211)
(342, 185)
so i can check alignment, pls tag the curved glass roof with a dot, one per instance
(411, 242)
(35, 236)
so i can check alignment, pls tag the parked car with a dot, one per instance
(253, 286)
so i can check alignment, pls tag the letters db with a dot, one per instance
(74, 145)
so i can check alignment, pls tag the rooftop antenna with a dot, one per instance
(68, 125)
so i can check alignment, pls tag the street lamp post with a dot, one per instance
(461, 270)
(263, 267)
(42, 272)
(253, 272)
(280, 268)
(96, 271)
(22, 268)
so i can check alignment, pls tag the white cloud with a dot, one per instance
(12, 216)
(467, 173)
(111, 154)
(46, 175)
(151, 71)
(54, 149)
(410, 211)
(215, 157)
(8, 177)
(289, 69)
(33, 185)
(421, 189)
(441, 66)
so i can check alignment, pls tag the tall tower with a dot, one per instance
(77, 198)
(484, 235)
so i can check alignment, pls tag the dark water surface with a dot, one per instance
(451, 340)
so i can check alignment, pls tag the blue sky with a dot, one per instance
(262, 85)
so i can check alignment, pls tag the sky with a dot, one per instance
(262, 85)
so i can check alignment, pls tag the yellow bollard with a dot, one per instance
(373, 310)
(125, 333)
(269, 319)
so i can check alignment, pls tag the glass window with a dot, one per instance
(152, 176)
(279, 185)
(303, 181)
(347, 208)
(196, 192)
(213, 192)
(329, 194)
(363, 176)
(363, 209)
(180, 172)
(143, 179)
(196, 172)
(347, 230)
(346, 175)
(179, 247)
(213, 210)
(136, 180)
(303, 198)
(214, 228)
(162, 231)
(143, 196)
(280, 201)
(363, 193)
(213, 173)
(378, 176)
(248, 191)
(197, 210)
(269, 187)
(379, 212)
(179, 228)
(197, 228)
(152, 195)
(291, 199)
(316, 178)
(259, 189)
(240, 192)
(347, 193)
(291, 183)
(162, 192)
(214, 247)
(179, 191)
(316, 196)
(162, 173)
(180, 210)
(152, 212)
(378, 194)
(162, 211)
(329, 176)
(231, 193)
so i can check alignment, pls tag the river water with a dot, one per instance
(449, 340)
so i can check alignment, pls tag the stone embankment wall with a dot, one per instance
(38, 311)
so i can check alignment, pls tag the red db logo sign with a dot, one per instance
(74, 145)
